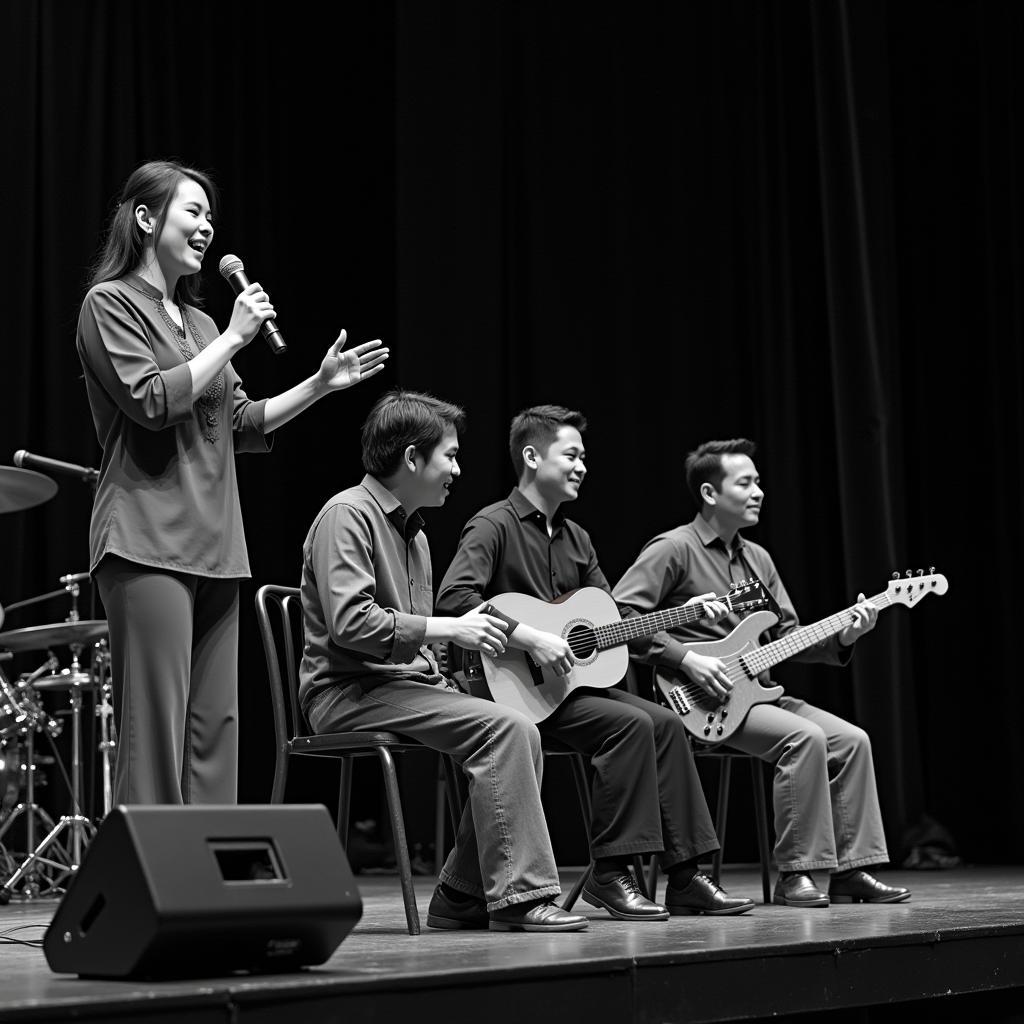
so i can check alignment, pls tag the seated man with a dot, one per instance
(647, 796)
(826, 804)
(367, 599)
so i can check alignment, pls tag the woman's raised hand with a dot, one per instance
(341, 369)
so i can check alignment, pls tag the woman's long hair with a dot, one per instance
(152, 185)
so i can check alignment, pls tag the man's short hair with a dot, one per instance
(704, 464)
(402, 418)
(539, 426)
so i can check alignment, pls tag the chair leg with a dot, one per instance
(574, 892)
(440, 800)
(280, 777)
(721, 816)
(761, 811)
(579, 775)
(387, 763)
(344, 799)
(652, 879)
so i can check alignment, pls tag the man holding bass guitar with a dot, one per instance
(647, 796)
(826, 803)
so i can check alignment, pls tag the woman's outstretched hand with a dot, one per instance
(342, 369)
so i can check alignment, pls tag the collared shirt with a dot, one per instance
(505, 548)
(692, 560)
(367, 590)
(167, 495)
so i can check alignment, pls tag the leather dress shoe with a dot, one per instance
(797, 889)
(860, 887)
(538, 916)
(622, 898)
(450, 913)
(703, 896)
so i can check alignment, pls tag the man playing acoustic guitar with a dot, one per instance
(647, 796)
(826, 803)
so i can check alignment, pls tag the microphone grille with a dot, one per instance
(229, 265)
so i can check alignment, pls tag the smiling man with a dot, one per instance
(367, 605)
(826, 804)
(647, 796)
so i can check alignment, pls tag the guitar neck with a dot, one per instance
(766, 657)
(616, 633)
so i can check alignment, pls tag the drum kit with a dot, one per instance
(52, 849)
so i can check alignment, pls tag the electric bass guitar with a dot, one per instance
(713, 720)
(588, 619)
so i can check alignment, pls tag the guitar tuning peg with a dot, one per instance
(895, 575)
(931, 570)
(920, 572)
(910, 572)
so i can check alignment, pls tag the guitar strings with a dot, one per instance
(588, 642)
(693, 690)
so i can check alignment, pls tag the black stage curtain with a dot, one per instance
(798, 222)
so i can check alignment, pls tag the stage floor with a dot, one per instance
(961, 933)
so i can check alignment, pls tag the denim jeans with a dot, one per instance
(502, 852)
(826, 801)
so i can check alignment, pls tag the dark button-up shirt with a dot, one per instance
(367, 590)
(505, 548)
(692, 560)
(167, 496)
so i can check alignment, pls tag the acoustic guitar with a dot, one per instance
(713, 720)
(588, 619)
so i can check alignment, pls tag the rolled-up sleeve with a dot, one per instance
(342, 553)
(116, 350)
(247, 417)
(644, 589)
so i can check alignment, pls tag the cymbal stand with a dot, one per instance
(105, 713)
(80, 827)
(30, 877)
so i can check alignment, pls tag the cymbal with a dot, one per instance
(64, 680)
(23, 488)
(38, 638)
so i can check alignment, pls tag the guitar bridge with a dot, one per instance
(678, 701)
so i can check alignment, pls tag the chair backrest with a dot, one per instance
(279, 612)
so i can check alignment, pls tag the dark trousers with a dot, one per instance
(174, 663)
(646, 792)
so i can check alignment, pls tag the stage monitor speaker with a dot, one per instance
(200, 891)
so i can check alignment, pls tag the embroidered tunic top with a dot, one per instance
(167, 494)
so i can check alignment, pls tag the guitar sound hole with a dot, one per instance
(582, 641)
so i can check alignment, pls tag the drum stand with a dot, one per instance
(80, 827)
(29, 876)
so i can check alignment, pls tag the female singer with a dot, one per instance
(166, 543)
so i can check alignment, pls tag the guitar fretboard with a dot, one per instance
(764, 658)
(615, 633)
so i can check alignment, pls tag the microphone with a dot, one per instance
(26, 460)
(232, 270)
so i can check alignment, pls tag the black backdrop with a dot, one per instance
(799, 222)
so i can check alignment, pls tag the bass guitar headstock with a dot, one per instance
(745, 596)
(910, 588)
